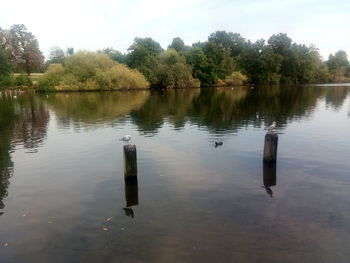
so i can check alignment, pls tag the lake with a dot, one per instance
(63, 197)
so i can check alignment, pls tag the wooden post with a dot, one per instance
(130, 163)
(270, 147)
(269, 174)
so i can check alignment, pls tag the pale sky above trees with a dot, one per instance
(89, 24)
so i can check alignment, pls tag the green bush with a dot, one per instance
(5, 70)
(6, 81)
(51, 78)
(23, 80)
(90, 71)
(171, 71)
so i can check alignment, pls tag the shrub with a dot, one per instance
(51, 77)
(6, 81)
(5, 70)
(171, 71)
(236, 79)
(91, 71)
(22, 80)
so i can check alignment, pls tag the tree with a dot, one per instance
(338, 60)
(178, 44)
(5, 69)
(222, 63)
(203, 68)
(142, 56)
(231, 42)
(70, 51)
(260, 63)
(338, 65)
(280, 43)
(171, 71)
(23, 49)
(115, 55)
(56, 55)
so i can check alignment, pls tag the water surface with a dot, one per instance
(62, 189)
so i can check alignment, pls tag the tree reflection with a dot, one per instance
(216, 109)
(86, 109)
(173, 105)
(227, 110)
(335, 97)
(23, 121)
(31, 125)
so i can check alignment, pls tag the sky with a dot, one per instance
(93, 25)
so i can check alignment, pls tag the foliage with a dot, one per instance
(22, 80)
(51, 77)
(90, 71)
(56, 56)
(22, 48)
(236, 79)
(202, 66)
(339, 67)
(221, 62)
(178, 44)
(5, 69)
(234, 43)
(70, 51)
(260, 63)
(171, 71)
(142, 56)
(115, 55)
(213, 62)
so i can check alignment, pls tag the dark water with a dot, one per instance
(62, 189)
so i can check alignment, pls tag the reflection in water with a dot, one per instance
(269, 176)
(131, 196)
(131, 193)
(223, 110)
(31, 123)
(189, 196)
(90, 108)
(335, 97)
(23, 122)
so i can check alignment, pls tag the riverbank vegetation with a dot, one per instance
(90, 71)
(225, 59)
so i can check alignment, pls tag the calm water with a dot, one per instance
(62, 189)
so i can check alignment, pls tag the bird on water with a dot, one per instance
(219, 143)
(126, 138)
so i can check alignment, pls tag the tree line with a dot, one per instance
(226, 58)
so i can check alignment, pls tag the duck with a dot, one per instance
(219, 143)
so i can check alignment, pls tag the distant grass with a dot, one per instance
(35, 77)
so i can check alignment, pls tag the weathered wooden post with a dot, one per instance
(130, 177)
(269, 174)
(130, 163)
(270, 147)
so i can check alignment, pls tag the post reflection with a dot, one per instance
(131, 196)
(269, 176)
